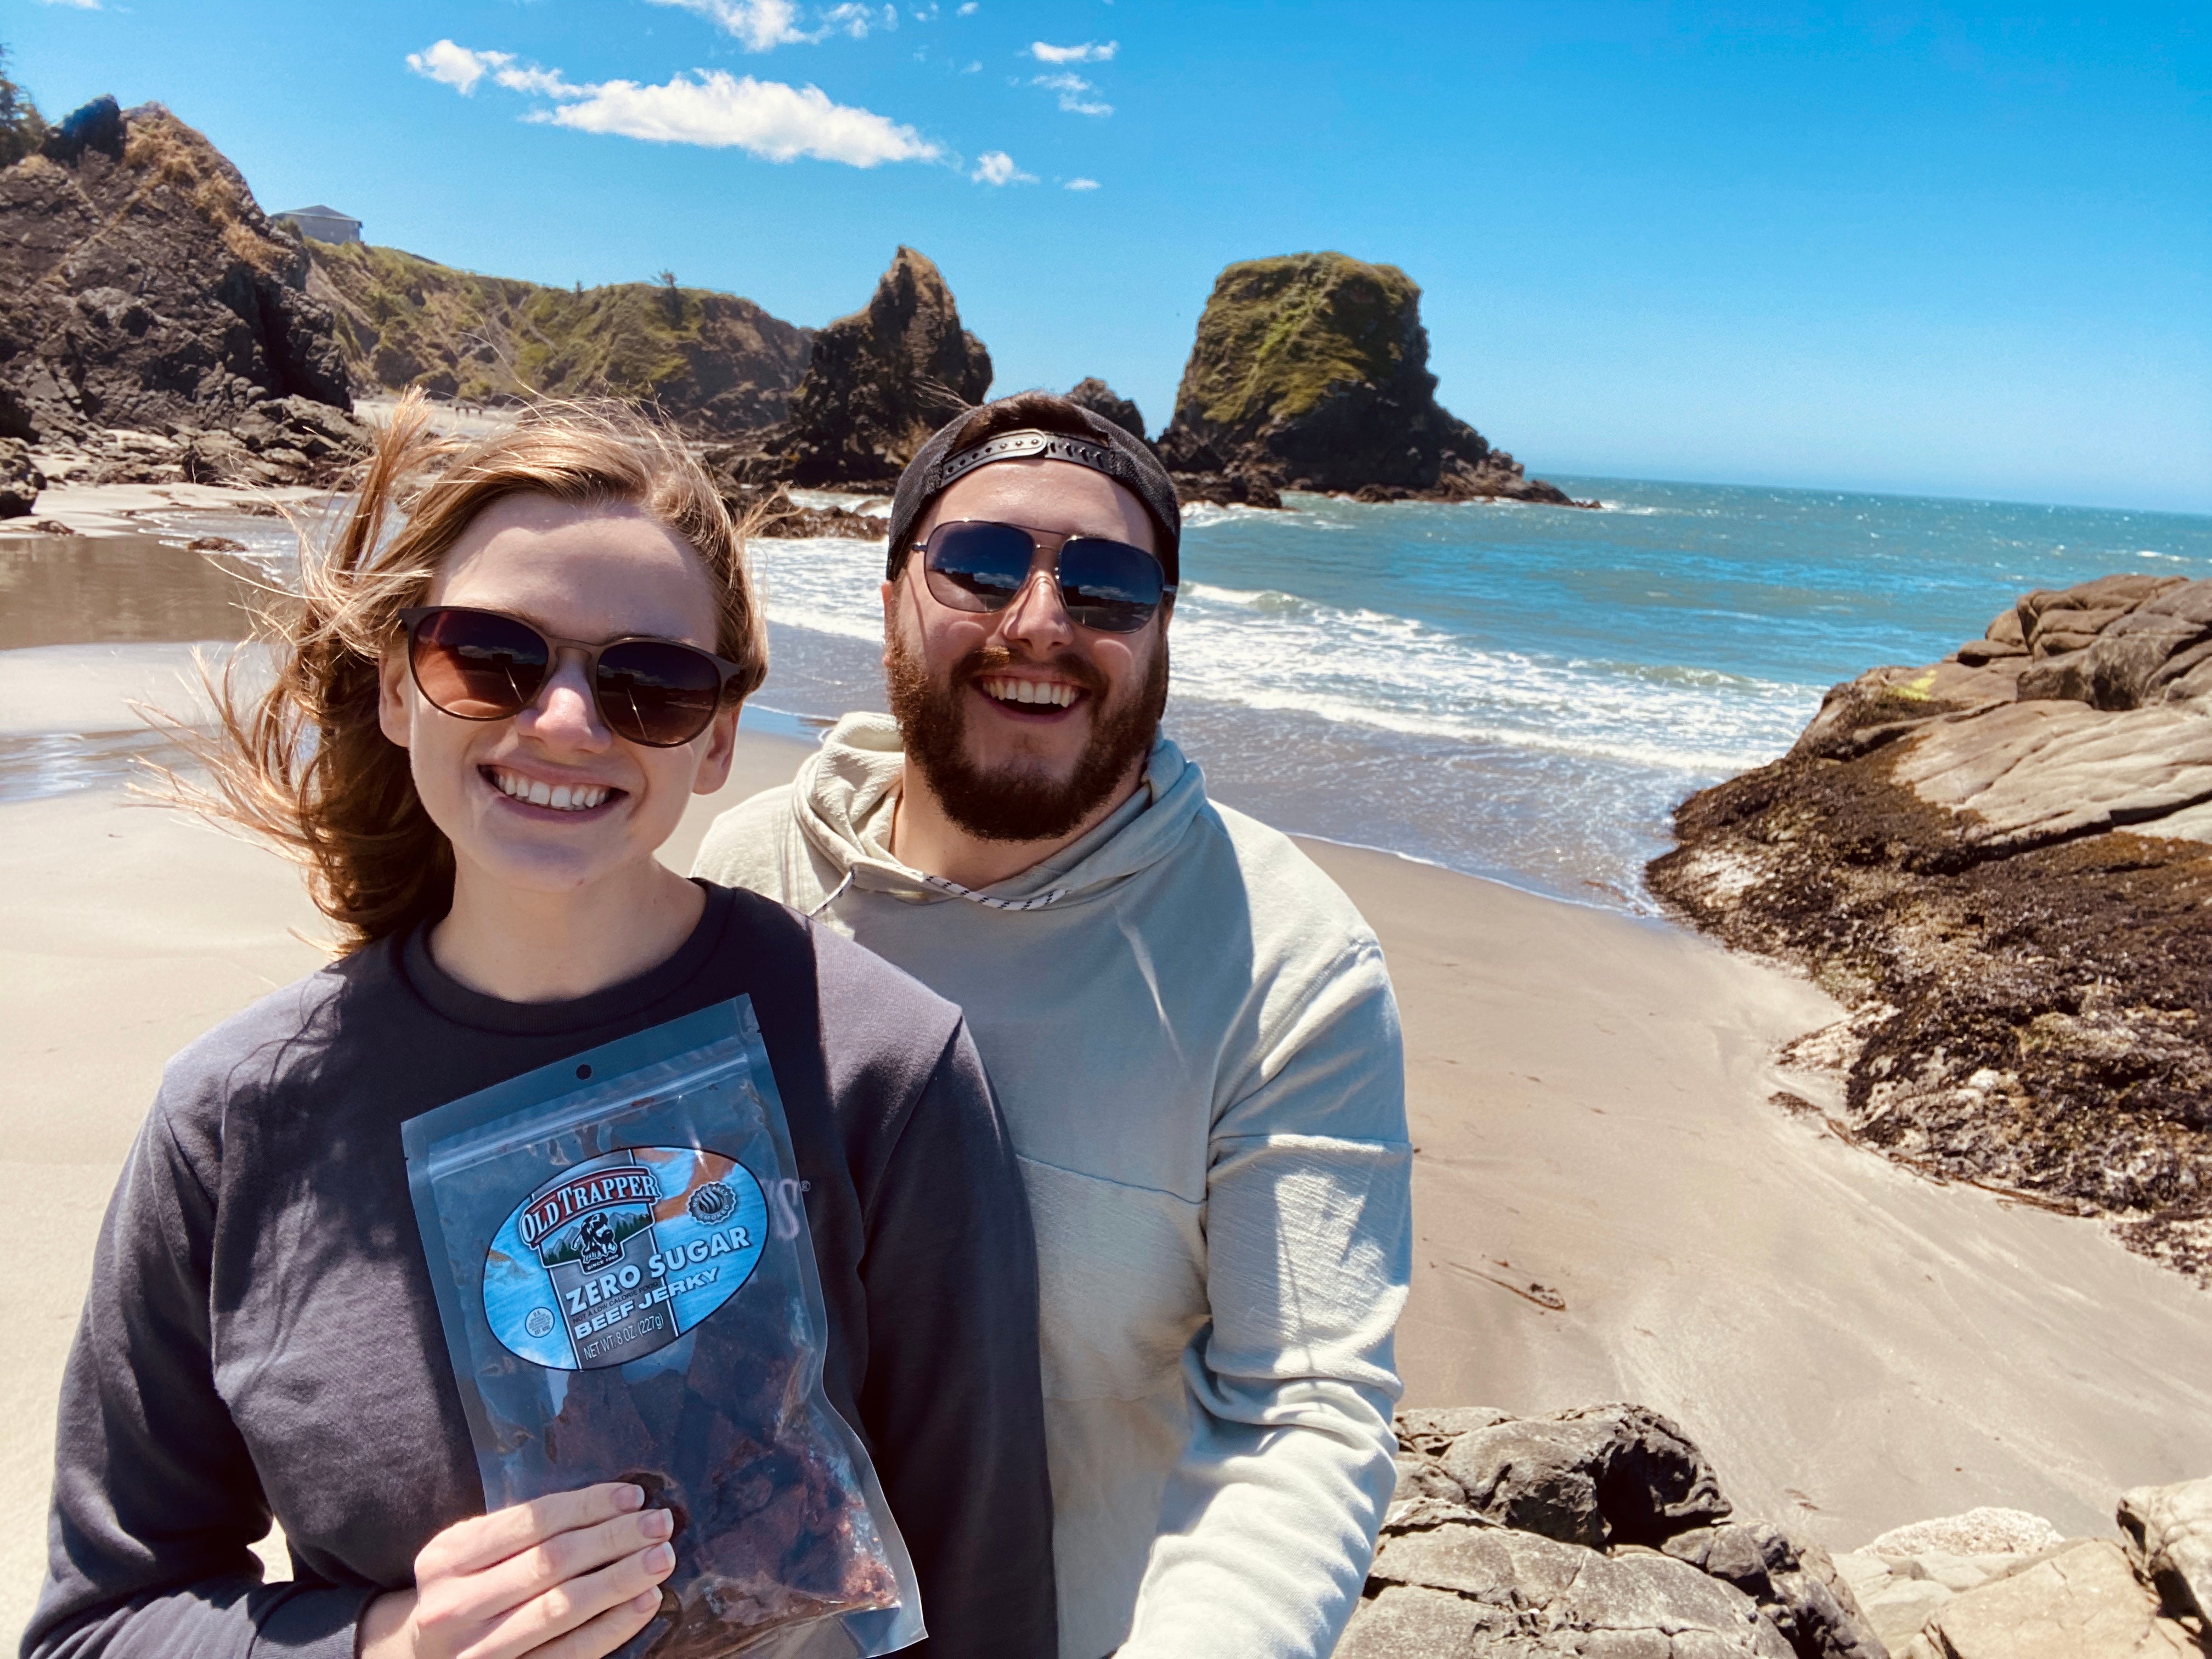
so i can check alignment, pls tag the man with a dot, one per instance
(1188, 1024)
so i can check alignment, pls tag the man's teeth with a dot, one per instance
(561, 797)
(1042, 691)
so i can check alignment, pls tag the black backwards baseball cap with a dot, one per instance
(1127, 460)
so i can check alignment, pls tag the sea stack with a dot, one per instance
(1311, 372)
(1095, 395)
(141, 286)
(880, 382)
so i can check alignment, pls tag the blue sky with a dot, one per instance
(1903, 247)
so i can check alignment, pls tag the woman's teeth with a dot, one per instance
(1039, 691)
(561, 797)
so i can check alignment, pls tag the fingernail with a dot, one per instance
(656, 1523)
(646, 1602)
(630, 1498)
(659, 1559)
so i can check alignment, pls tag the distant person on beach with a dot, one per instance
(486, 719)
(1189, 1027)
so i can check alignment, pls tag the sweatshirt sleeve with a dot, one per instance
(1269, 1521)
(952, 1400)
(155, 1500)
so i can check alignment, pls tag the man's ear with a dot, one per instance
(392, 714)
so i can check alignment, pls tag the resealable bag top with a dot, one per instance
(629, 1292)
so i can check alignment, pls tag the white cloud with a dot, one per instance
(78, 5)
(1090, 51)
(1081, 184)
(546, 83)
(757, 25)
(995, 166)
(711, 108)
(720, 111)
(973, 67)
(764, 25)
(1072, 88)
(855, 20)
(969, 9)
(457, 66)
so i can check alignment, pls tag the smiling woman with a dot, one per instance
(493, 696)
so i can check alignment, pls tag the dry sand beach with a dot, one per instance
(1607, 1206)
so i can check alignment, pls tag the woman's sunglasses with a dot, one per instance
(974, 564)
(485, 666)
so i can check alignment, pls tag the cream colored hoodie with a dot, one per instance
(1197, 1051)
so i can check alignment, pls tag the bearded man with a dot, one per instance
(1189, 1026)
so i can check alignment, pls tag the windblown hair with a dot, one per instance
(305, 764)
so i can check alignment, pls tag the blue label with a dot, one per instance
(621, 1255)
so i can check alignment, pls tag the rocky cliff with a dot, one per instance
(1999, 863)
(1311, 372)
(141, 286)
(878, 383)
(719, 365)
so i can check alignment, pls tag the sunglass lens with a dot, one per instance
(657, 693)
(975, 566)
(479, 667)
(1112, 585)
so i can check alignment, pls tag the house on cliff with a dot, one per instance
(323, 224)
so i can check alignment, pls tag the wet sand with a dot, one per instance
(1606, 1206)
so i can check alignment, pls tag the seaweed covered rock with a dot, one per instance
(1311, 371)
(880, 382)
(717, 365)
(20, 481)
(142, 286)
(1999, 863)
(1601, 1529)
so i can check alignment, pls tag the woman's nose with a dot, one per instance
(565, 714)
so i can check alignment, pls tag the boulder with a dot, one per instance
(1095, 395)
(1979, 1532)
(1543, 1530)
(1311, 371)
(140, 285)
(20, 481)
(880, 382)
(2169, 1537)
(1596, 1475)
(2080, 1603)
(1462, 1589)
(1997, 861)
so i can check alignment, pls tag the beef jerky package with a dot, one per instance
(629, 1291)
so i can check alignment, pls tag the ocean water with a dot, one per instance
(1519, 692)
(1526, 692)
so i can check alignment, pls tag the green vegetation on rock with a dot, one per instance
(22, 128)
(1279, 333)
(717, 363)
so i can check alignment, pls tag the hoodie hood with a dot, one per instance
(843, 795)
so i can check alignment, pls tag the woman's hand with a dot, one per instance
(573, 1576)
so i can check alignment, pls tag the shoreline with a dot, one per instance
(1853, 1347)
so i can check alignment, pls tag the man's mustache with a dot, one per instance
(987, 659)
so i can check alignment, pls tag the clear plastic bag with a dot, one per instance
(629, 1291)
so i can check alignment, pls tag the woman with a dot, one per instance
(260, 1336)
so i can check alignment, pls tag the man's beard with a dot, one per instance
(1015, 803)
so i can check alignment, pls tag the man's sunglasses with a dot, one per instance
(974, 564)
(486, 665)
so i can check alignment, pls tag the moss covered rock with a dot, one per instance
(719, 364)
(1311, 372)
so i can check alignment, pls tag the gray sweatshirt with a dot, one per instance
(260, 1335)
(1193, 1040)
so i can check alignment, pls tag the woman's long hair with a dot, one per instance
(305, 763)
